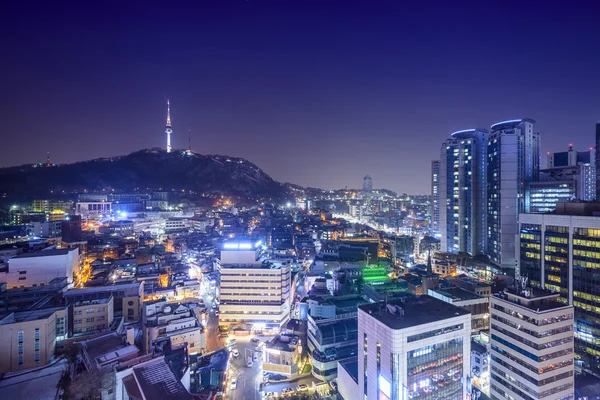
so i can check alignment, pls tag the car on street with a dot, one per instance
(255, 357)
(233, 383)
(235, 353)
(255, 341)
(303, 387)
(287, 391)
(249, 364)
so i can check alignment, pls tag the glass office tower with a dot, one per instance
(513, 162)
(462, 192)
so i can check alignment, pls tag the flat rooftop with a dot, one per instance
(418, 310)
(283, 342)
(45, 253)
(534, 299)
(23, 316)
(458, 294)
(351, 367)
(104, 300)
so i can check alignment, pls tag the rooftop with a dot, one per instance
(82, 303)
(45, 253)
(534, 299)
(156, 381)
(25, 316)
(418, 310)
(351, 367)
(458, 294)
(284, 342)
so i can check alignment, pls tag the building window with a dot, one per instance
(37, 334)
(365, 360)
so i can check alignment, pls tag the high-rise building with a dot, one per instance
(462, 192)
(251, 291)
(531, 337)
(597, 160)
(570, 175)
(416, 347)
(168, 129)
(560, 252)
(435, 197)
(367, 184)
(513, 162)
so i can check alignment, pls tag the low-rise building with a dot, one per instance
(92, 315)
(282, 355)
(127, 298)
(40, 267)
(29, 337)
(178, 322)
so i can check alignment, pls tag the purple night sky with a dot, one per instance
(317, 93)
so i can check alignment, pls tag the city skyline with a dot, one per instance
(355, 95)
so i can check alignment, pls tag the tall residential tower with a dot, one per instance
(435, 197)
(462, 192)
(513, 162)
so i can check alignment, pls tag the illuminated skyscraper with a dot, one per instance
(367, 184)
(513, 162)
(435, 197)
(462, 192)
(168, 129)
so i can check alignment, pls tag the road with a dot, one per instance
(278, 387)
(248, 379)
(213, 342)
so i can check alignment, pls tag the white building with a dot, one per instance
(40, 267)
(417, 347)
(93, 208)
(532, 346)
(252, 292)
(178, 322)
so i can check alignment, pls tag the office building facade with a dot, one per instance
(251, 291)
(513, 162)
(415, 348)
(531, 338)
(462, 192)
(561, 253)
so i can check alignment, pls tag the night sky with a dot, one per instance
(317, 93)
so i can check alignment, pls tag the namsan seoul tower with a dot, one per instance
(168, 129)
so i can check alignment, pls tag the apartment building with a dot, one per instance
(40, 267)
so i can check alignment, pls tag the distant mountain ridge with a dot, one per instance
(151, 169)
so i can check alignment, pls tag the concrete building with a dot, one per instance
(92, 315)
(416, 347)
(532, 345)
(29, 337)
(559, 252)
(367, 184)
(251, 291)
(478, 306)
(40, 267)
(462, 192)
(513, 162)
(282, 354)
(177, 322)
(127, 298)
(93, 209)
(45, 229)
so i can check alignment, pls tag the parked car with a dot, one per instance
(233, 383)
(235, 353)
(287, 391)
(303, 387)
